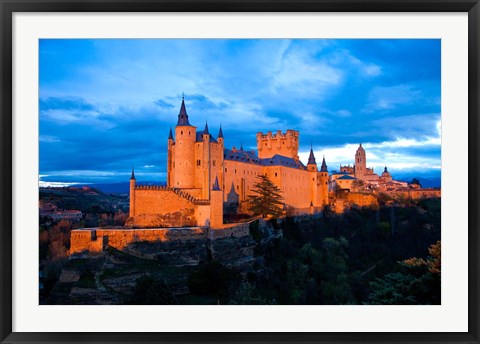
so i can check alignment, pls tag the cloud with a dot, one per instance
(386, 98)
(107, 105)
(49, 138)
(163, 104)
(301, 74)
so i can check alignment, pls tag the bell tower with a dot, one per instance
(360, 163)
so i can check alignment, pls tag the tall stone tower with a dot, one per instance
(323, 181)
(132, 194)
(360, 163)
(183, 164)
(313, 169)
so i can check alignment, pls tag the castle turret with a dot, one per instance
(206, 161)
(132, 194)
(312, 163)
(220, 135)
(360, 163)
(170, 155)
(323, 183)
(221, 144)
(183, 164)
(216, 206)
(312, 168)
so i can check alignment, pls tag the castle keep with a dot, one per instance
(203, 175)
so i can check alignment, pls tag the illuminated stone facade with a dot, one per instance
(203, 175)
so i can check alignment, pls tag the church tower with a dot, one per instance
(360, 163)
(323, 181)
(183, 164)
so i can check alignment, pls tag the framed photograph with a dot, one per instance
(239, 171)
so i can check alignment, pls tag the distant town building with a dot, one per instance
(352, 177)
(51, 210)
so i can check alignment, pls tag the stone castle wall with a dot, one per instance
(295, 185)
(94, 240)
(157, 207)
(362, 200)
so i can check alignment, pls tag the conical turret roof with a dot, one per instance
(182, 115)
(324, 166)
(133, 175)
(311, 158)
(220, 132)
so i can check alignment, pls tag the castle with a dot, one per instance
(203, 175)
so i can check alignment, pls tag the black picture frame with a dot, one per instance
(8, 7)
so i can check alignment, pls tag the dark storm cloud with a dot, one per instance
(107, 105)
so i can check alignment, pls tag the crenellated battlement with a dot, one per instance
(285, 144)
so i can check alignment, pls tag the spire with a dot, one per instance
(220, 132)
(170, 135)
(311, 158)
(385, 170)
(324, 165)
(182, 115)
(216, 187)
(241, 146)
(133, 175)
(206, 128)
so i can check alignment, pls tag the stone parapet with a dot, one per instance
(91, 240)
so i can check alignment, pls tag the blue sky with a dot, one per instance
(108, 105)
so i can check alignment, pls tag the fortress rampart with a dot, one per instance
(97, 239)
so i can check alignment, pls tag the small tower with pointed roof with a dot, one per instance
(220, 135)
(312, 163)
(132, 194)
(170, 153)
(221, 148)
(323, 183)
(216, 206)
(206, 161)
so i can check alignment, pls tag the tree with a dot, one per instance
(419, 283)
(432, 263)
(266, 199)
